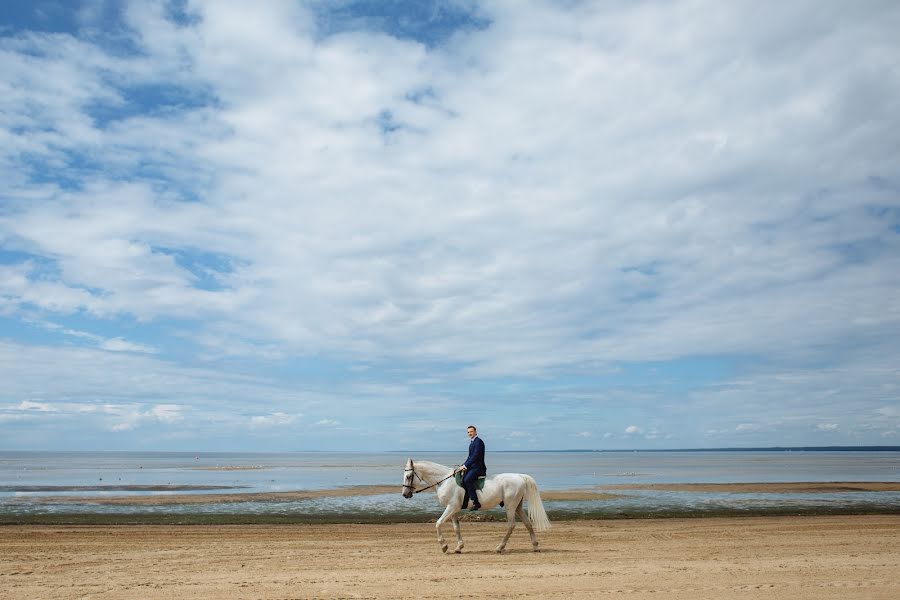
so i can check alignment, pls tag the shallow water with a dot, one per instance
(552, 470)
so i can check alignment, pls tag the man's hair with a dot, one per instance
(471, 427)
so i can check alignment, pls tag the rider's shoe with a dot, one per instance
(475, 506)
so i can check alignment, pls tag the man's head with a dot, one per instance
(471, 431)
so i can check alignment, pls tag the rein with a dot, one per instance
(415, 491)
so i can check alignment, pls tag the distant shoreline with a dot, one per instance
(432, 451)
(759, 449)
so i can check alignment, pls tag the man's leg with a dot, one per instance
(470, 480)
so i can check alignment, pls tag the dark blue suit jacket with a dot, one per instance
(475, 462)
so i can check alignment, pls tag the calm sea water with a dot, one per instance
(41, 471)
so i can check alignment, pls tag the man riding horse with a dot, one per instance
(473, 468)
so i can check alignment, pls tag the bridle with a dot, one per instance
(414, 474)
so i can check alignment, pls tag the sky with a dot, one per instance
(363, 225)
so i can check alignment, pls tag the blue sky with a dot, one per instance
(365, 225)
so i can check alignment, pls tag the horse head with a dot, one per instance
(408, 474)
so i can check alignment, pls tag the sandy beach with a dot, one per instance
(759, 557)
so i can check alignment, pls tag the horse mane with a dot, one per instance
(429, 469)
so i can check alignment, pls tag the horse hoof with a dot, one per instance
(444, 548)
(499, 550)
(458, 551)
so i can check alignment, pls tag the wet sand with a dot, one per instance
(801, 487)
(115, 488)
(229, 498)
(692, 559)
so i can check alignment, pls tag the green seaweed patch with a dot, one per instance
(238, 518)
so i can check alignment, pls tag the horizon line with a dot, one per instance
(863, 448)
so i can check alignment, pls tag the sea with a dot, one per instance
(60, 487)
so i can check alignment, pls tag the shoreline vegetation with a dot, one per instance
(361, 518)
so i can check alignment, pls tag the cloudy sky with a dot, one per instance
(363, 225)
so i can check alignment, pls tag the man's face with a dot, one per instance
(471, 432)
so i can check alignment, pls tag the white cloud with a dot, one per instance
(80, 380)
(467, 261)
(38, 406)
(129, 417)
(570, 186)
(798, 399)
(120, 345)
(168, 413)
(116, 344)
(328, 423)
(278, 419)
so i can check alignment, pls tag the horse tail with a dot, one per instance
(536, 512)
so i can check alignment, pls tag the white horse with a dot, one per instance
(510, 489)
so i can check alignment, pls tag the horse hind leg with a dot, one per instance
(459, 540)
(520, 510)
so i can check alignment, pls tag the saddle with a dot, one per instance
(459, 481)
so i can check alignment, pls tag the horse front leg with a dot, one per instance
(440, 534)
(520, 510)
(510, 525)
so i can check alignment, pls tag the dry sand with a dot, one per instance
(695, 559)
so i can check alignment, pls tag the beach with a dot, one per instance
(753, 557)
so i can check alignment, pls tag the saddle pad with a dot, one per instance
(459, 482)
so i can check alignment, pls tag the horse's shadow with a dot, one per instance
(515, 551)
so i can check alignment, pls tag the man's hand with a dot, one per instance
(463, 468)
